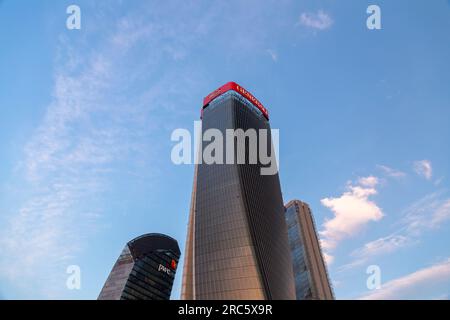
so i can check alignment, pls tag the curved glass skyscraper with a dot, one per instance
(144, 271)
(237, 243)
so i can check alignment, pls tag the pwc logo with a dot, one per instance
(173, 266)
(164, 269)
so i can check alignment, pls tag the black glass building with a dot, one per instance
(310, 271)
(237, 244)
(144, 271)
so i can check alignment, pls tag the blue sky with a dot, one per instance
(86, 119)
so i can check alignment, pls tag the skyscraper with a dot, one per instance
(144, 271)
(237, 245)
(311, 277)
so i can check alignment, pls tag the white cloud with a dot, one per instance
(423, 168)
(391, 172)
(329, 259)
(369, 181)
(317, 21)
(414, 285)
(352, 211)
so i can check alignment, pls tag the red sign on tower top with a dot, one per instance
(235, 87)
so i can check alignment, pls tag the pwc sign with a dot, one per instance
(239, 89)
(168, 270)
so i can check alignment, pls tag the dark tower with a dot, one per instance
(144, 271)
(237, 243)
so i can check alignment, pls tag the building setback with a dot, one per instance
(237, 244)
(311, 277)
(144, 271)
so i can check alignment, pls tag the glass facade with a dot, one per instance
(237, 246)
(144, 271)
(301, 273)
(311, 278)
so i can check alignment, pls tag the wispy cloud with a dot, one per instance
(102, 116)
(352, 211)
(438, 182)
(429, 212)
(316, 20)
(372, 249)
(390, 172)
(414, 285)
(423, 168)
(59, 167)
(273, 55)
(382, 246)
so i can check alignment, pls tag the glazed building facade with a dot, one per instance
(145, 270)
(237, 244)
(310, 271)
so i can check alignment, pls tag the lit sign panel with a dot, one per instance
(173, 264)
(235, 87)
